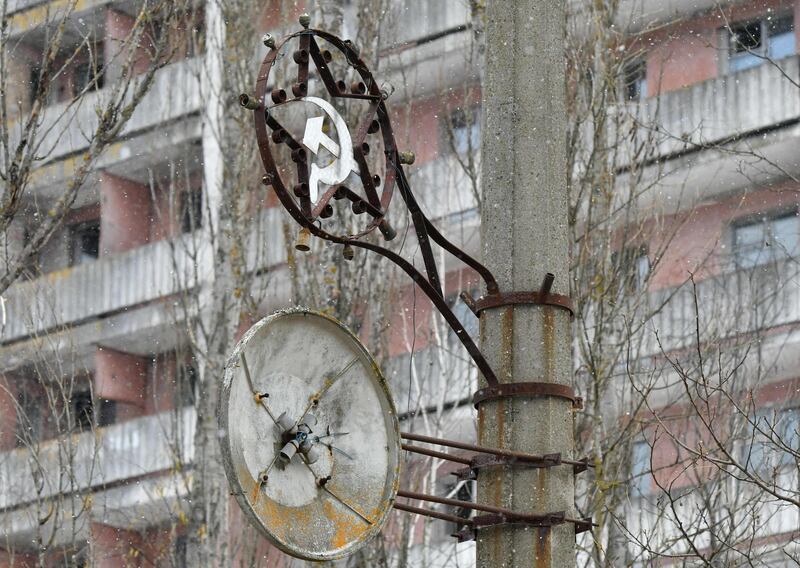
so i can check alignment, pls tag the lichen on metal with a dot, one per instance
(299, 361)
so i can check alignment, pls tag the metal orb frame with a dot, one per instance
(307, 214)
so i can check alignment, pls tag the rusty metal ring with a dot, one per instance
(303, 214)
(510, 390)
(515, 298)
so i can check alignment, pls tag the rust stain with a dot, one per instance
(549, 339)
(543, 546)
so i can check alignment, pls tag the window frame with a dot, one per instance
(764, 218)
(760, 54)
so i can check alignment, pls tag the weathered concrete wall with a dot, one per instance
(126, 214)
(121, 377)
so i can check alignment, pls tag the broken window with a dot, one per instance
(635, 80)
(752, 43)
(85, 242)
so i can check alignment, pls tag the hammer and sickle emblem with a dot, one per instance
(313, 137)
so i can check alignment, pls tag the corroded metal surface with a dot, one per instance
(292, 362)
(341, 75)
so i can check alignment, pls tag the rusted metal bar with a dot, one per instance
(520, 456)
(549, 518)
(434, 514)
(435, 454)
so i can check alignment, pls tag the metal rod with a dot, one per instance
(521, 456)
(434, 514)
(435, 454)
(547, 285)
(469, 505)
(479, 507)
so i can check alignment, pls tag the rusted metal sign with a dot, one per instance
(314, 495)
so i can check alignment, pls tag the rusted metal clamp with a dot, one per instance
(469, 532)
(479, 462)
(510, 390)
(542, 296)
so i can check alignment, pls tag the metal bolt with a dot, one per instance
(305, 20)
(266, 179)
(407, 157)
(303, 242)
(268, 41)
(248, 101)
(348, 253)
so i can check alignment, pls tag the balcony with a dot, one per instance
(105, 286)
(175, 93)
(729, 304)
(96, 459)
(125, 281)
(725, 108)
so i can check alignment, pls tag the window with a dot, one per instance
(82, 409)
(782, 426)
(88, 74)
(766, 240)
(635, 80)
(107, 413)
(84, 242)
(463, 491)
(751, 43)
(464, 131)
(191, 210)
(640, 467)
(187, 384)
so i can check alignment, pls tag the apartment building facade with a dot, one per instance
(98, 318)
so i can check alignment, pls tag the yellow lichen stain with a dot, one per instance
(57, 275)
(47, 12)
(348, 528)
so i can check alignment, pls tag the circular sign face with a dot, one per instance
(311, 440)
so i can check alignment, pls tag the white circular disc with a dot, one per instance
(307, 362)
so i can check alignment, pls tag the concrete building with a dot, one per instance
(98, 315)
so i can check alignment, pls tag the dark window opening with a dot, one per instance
(82, 409)
(753, 43)
(464, 131)
(89, 74)
(85, 242)
(746, 37)
(107, 413)
(180, 550)
(465, 491)
(191, 210)
(187, 384)
(635, 76)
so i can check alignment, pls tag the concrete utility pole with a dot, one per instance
(525, 236)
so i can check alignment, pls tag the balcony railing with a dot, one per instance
(101, 458)
(127, 280)
(718, 110)
(175, 93)
(730, 304)
(105, 286)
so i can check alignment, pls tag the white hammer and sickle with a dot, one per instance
(339, 169)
